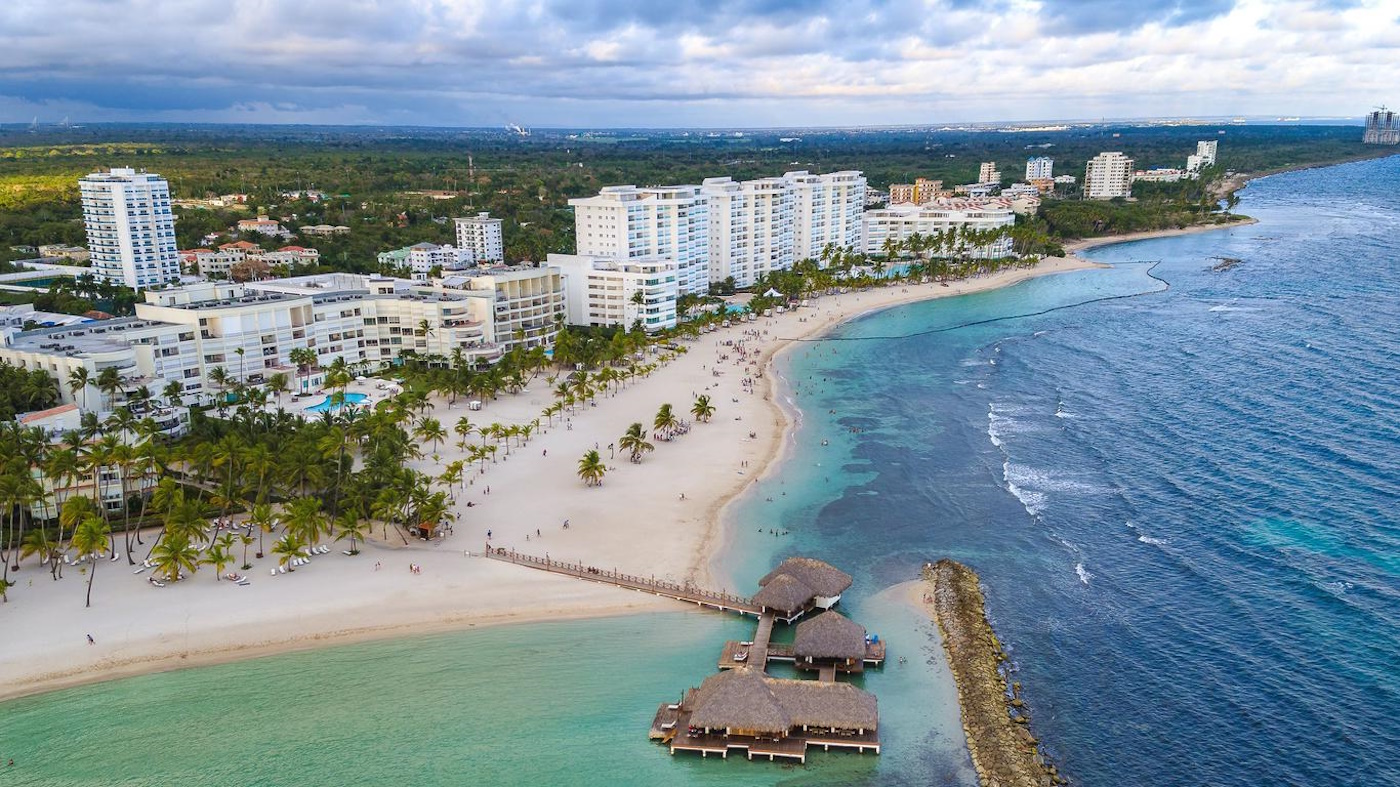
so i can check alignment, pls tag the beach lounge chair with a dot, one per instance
(282, 569)
(273, 572)
(345, 552)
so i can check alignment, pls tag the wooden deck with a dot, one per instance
(724, 602)
(672, 727)
(782, 651)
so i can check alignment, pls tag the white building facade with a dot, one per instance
(482, 238)
(130, 227)
(1108, 176)
(626, 222)
(900, 222)
(751, 228)
(1040, 168)
(606, 291)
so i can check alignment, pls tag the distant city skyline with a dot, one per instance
(730, 63)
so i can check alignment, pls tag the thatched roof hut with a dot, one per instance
(841, 706)
(829, 635)
(740, 702)
(823, 578)
(784, 593)
(743, 701)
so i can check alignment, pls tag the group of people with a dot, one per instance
(414, 568)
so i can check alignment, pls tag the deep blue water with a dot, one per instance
(1183, 505)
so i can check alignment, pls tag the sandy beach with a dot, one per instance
(663, 516)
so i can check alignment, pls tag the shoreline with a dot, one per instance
(138, 633)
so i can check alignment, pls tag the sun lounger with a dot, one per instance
(282, 569)
(273, 572)
(345, 552)
(139, 570)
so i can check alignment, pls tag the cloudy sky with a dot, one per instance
(676, 63)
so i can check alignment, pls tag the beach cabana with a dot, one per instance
(738, 702)
(826, 581)
(830, 639)
(784, 595)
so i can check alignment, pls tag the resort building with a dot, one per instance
(1162, 175)
(606, 291)
(130, 227)
(750, 228)
(988, 173)
(1108, 176)
(60, 251)
(800, 584)
(1040, 168)
(324, 230)
(481, 237)
(626, 223)
(895, 224)
(519, 305)
(724, 228)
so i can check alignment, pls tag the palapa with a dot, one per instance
(739, 701)
(784, 593)
(823, 578)
(835, 705)
(829, 635)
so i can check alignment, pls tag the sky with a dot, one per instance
(671, 63)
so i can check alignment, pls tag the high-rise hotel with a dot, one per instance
(130, 228)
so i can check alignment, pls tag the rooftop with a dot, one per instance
(823, 578)
(830, 635)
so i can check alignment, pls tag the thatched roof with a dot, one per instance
(738, 699)
(784, 593)
(818, 704)
(745, 699)
(823, 578)
(830, 635)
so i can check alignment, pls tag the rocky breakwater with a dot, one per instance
(995, 719)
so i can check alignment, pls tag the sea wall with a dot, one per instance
(995, 720)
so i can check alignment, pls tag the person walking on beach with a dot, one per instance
(91, 641)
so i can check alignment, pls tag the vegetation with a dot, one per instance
(25, 390)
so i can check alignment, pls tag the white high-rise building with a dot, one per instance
(1107, 176)
(626, 222)
(130, 227)
(481, 235)
(1040, 168)
(750, 228)
(1204, 156)
(988, 173)
(826, 210)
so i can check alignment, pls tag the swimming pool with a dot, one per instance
(326, 404)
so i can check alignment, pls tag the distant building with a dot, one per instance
(1065, 180)
(324, 230)
(1203, 157)
(921, 191)
(898, 223)
(1107, 176)
(481, 237)
(130, 227)
(1040, 168)
(263, 226)
(1382, 128)
(1162, 175)
(422, 258)
(603, 291)
(60, 251)
(988, 173)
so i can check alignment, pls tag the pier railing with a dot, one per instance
(725, 602)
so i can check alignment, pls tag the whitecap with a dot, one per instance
(1031, 500)
(1084, 576)
(1153, 541)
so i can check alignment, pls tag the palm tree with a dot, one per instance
(90, 538)
(665, 421)
(78, 381)
(350, 525)
(219, 555)
(261, 517)
(109, 381)
(463, 428)
(305, 519)
(277, 385)
(430, 429)
(591, 469)
(635, 442)
(287, 548)
(175, 554)
(703, 410)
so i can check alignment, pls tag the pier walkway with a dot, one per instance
(724, 602)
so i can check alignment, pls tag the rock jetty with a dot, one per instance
(995, 720)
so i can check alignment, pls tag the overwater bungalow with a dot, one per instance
(745, 709)
(832, 640)
(800, 584)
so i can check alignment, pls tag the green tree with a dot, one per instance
(634, 442)
(591, 469)
(90, 539)
(703, 409)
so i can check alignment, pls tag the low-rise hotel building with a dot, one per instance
(900, 222)
(605, 291)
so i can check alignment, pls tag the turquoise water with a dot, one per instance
(328, 404)
(1182, 503)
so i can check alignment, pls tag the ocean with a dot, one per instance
(1179, 486)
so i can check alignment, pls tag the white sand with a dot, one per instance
(635, 522)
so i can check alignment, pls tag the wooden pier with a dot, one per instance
(724, 602)
(744, 654)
